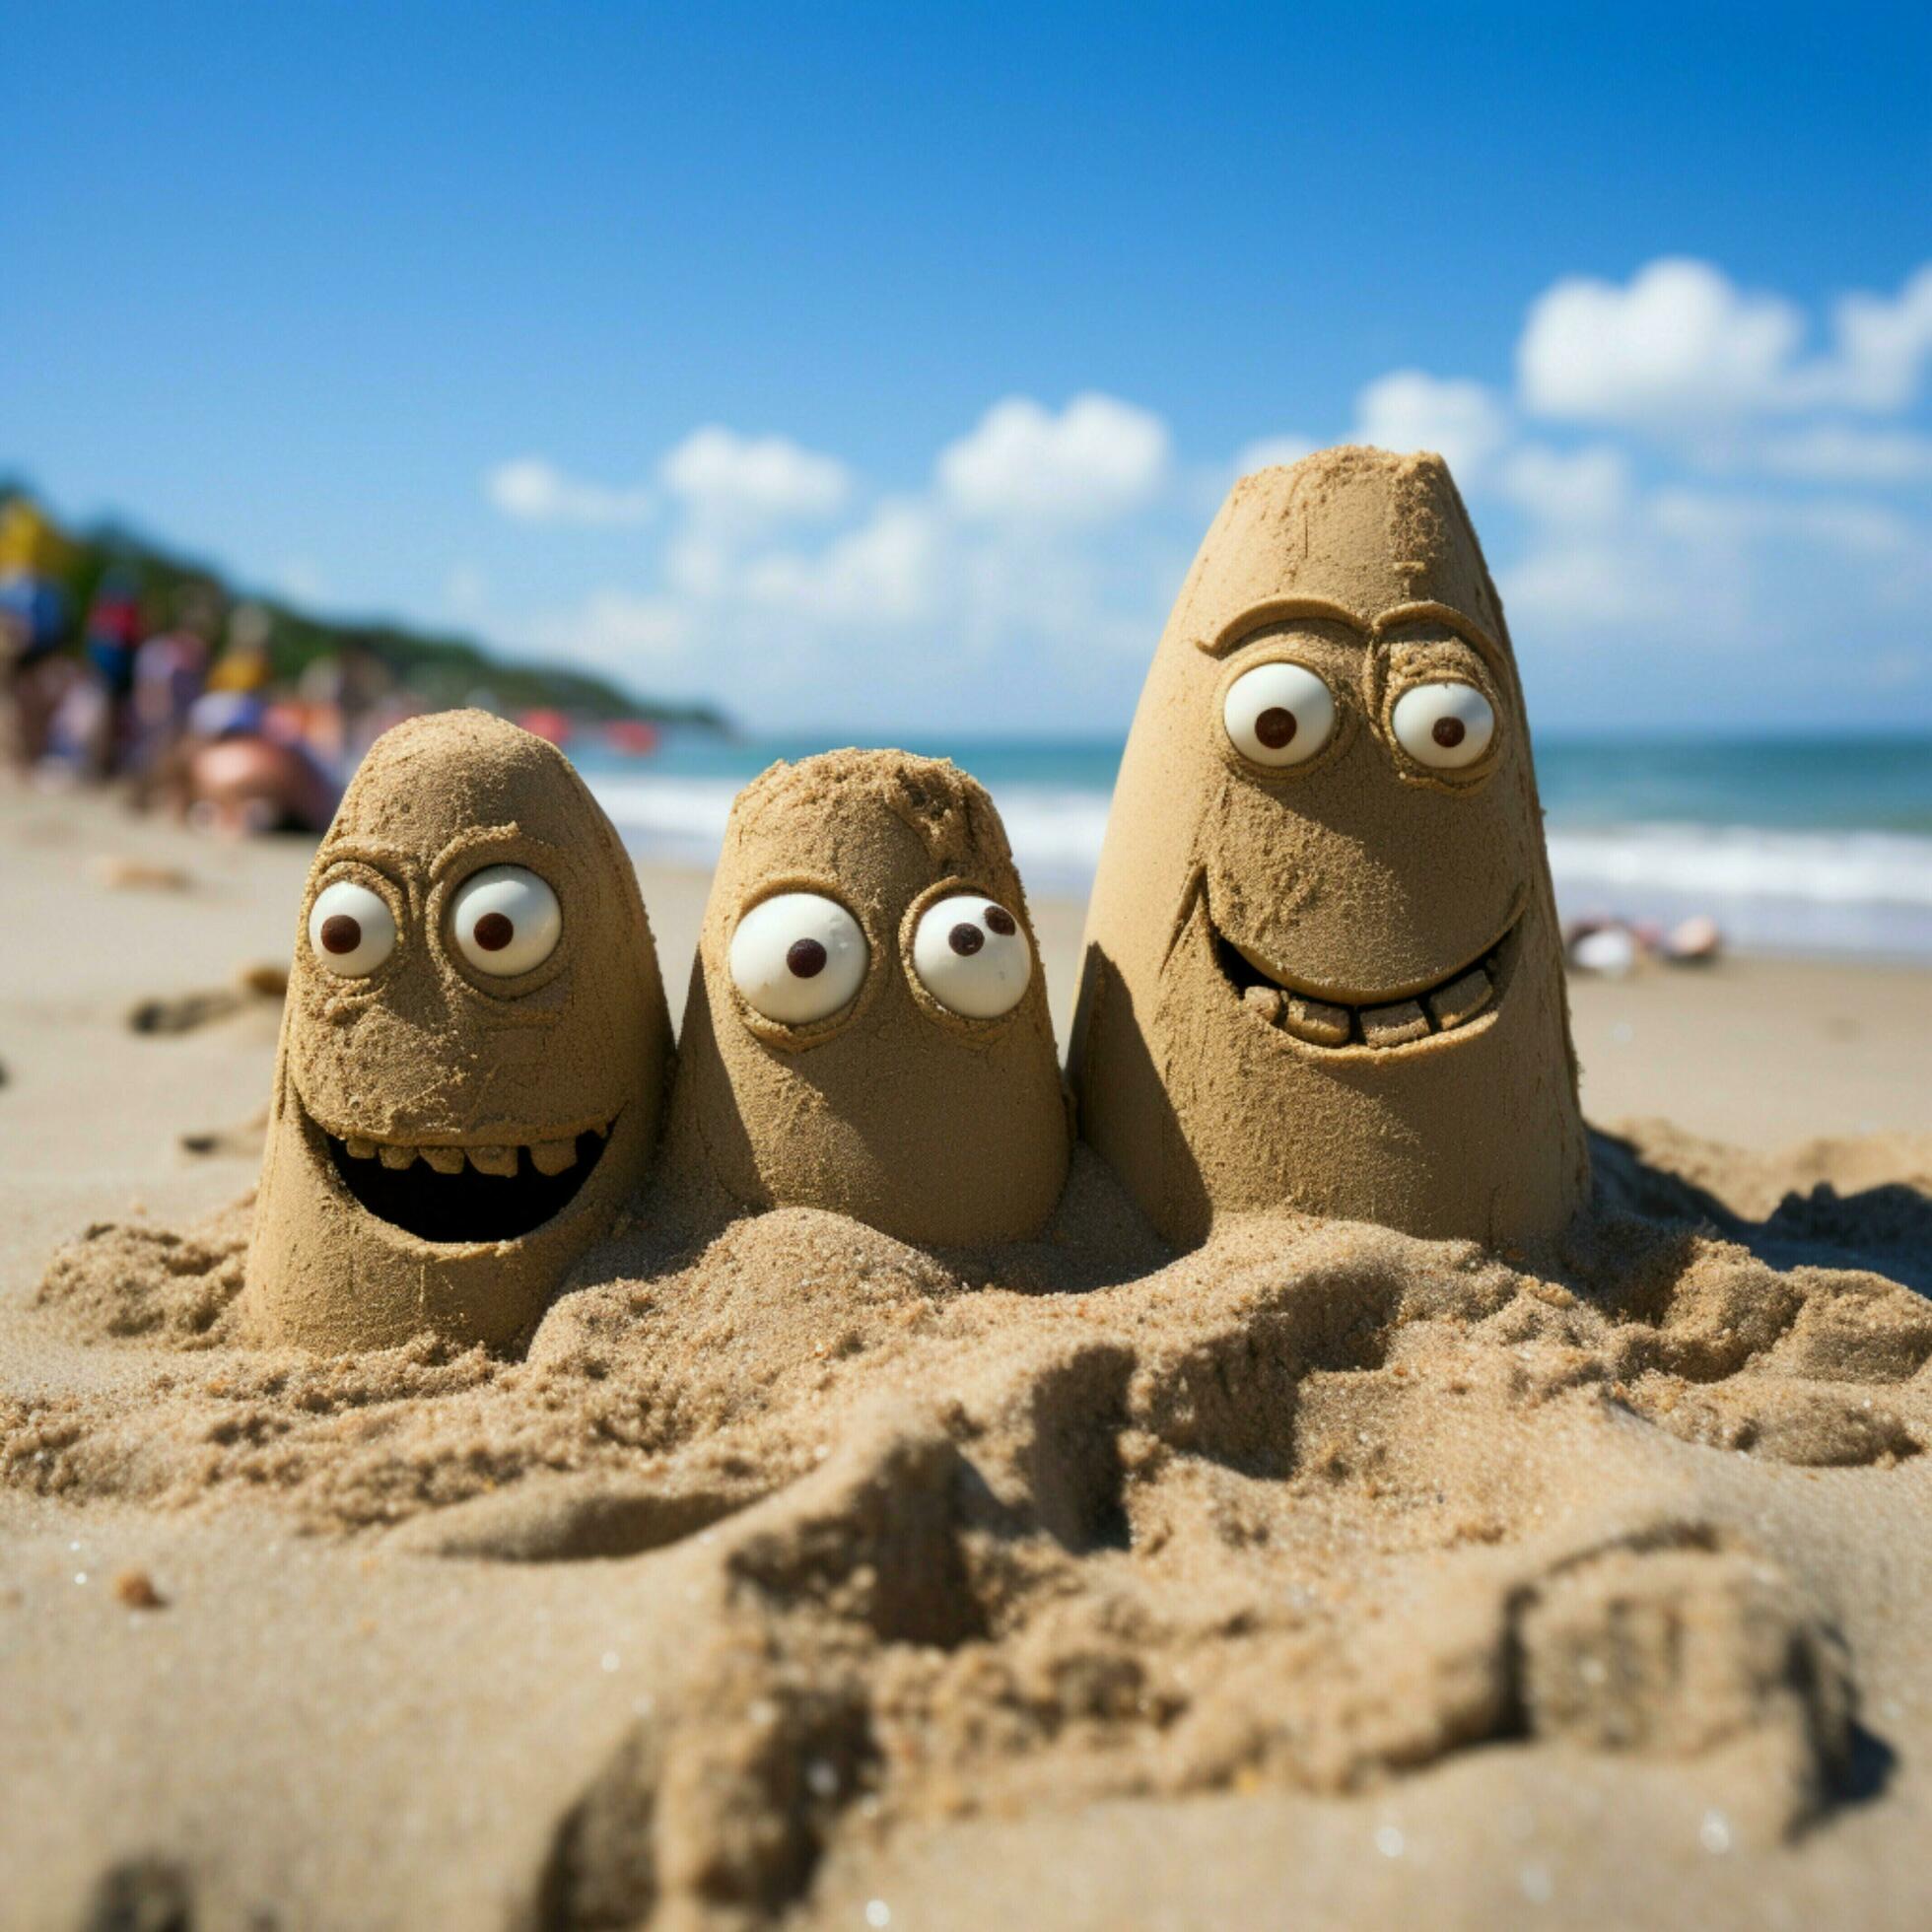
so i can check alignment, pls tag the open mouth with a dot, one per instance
(1451, 1003)
(465, 1194)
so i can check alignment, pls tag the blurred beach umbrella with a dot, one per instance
(30, 542)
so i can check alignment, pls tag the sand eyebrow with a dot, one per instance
(1465, 626)
(1278, 610)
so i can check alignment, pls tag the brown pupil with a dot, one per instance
(999, 920)
(1276, 726)
(494, 932)
(341, 934)
(1449, 733)
(965, 940)
(806, 958)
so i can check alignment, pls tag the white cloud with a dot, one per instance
(1851, 528)
(1883, 347)
(1098, 459)
(617, 631)
(1835, 452)
(1682, 348)
(1024, 565)
(754, 481)
(1687, 568)
(1461, 421)
(1680, 340)
(1587, 488)
(883, 573)
(1723, 515)
(533, 490)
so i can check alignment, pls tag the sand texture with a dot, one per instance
(796, 1574)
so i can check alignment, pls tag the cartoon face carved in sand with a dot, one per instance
(473, 1053)
(867, 1027)
(1322, 963)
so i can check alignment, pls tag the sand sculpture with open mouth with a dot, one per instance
(867, 1027)
(1322, 967)
(473, 1054)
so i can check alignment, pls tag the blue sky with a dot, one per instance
(874, 368)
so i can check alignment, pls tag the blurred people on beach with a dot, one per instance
(110, 641)
(120, 669)
(145, 703)
(34, 677)
(348, 698)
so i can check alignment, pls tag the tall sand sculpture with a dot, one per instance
(867, 1027)
(1322, 966)
(474, 1050)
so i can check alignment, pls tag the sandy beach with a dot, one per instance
(1322, 1575)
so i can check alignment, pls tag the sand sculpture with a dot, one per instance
(1322, 965)
(867, 1027)
(474, 1048)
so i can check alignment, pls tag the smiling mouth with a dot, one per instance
(463, 1193)
(1452, 1002)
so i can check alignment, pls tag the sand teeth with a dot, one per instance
(550, 1157)
(553, 1157)
(1392, 1023)
(1265, 1003)
(1463, 998)
(1395, 1026)
(1316, 1020)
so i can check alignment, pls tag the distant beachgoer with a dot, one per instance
(34, 677)
(341, 690)
(245, 666)
(239, 770)
(245, 785)
(111, 637)
(171, 671)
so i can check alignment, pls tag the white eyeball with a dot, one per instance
(971, 955)
(506, 921)
(350, 929)
(1443, 726)
(799, 957)
(1279, 715)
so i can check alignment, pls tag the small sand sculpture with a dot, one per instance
(1322, 965)
(867, 1027)
(473, 1053)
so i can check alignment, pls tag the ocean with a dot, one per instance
(1794, 844)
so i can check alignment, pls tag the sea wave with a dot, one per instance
(1771, 888)
(1055, 830)
(1831, 868)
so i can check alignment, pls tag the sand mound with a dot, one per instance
(937, 1543)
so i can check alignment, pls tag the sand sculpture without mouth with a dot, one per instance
(1322, 966)
(473, 1053)
(867, 1027)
